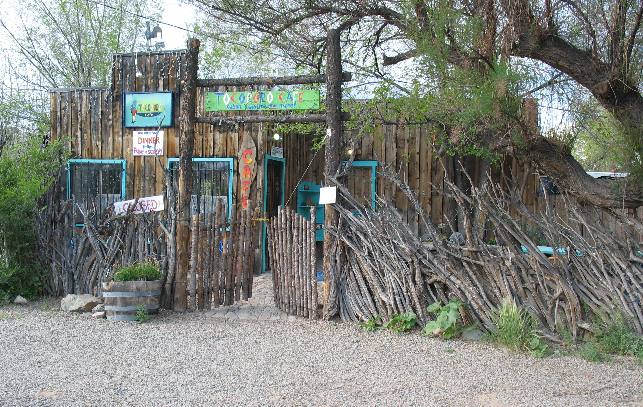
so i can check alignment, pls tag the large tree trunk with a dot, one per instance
(558, 163)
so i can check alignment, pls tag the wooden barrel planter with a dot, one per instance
(124, 298)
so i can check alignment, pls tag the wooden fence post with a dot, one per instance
(187, 115)
(332, 158)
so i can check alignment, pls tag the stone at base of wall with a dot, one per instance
(79, 303)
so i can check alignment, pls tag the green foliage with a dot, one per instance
(141, 314)
(617, 338)
(516, 330)
(70, 43)
(26, 172)
(138, 272)
(590, 352)
(601, 143)
(402, 322)
(372, 324)
(446, 322)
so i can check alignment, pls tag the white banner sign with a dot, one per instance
(144, 205)
(327, 195)
(148, 142)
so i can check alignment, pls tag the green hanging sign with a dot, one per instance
(147, 109)
(262, 100)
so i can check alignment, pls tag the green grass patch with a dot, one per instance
(138, 272)
(615, 338)
(516, 329)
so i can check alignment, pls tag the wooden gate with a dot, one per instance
(291, 247)
(222, 257)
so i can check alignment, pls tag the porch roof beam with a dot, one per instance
(269, 81)
(283, 118)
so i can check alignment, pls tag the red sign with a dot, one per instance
(247, 168)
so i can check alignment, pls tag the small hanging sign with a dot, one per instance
(247, 168)
(298, 99)
(327, 195)
(147, 109)
(144, 205)
(277, 152)
(148, 142)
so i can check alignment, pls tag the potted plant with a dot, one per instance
(132, 289)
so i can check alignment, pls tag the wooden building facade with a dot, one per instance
(91, 121)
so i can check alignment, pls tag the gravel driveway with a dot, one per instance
(51, 358)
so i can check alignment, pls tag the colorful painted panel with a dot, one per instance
(307, 99)
(147, 109)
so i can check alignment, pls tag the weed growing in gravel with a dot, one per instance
(590, 352)
(372, 324)
(446, 322)
(402, 322)
(141, 314)
(615, 338)
(4, 315)
(516, 329)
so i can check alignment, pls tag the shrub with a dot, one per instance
(618, 339)
(516, 329)
(402, 322)
(16, 279)
(26, 173)
(138, 272)
(446, 322)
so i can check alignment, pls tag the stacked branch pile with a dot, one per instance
(385, 269)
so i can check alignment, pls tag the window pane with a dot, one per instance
(209, 184)
(94, 187)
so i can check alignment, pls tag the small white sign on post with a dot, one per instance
(277, 152)
(327, 195)
(148, 142)
(144, 205)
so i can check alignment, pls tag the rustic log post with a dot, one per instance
(218, 264)
(186, 150)
(332, 160)
(313, 258)
(194, 257)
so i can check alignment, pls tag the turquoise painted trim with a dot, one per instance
(72, 161)
(264, 228)
(549, 251)
(373, 165)
(230, 162)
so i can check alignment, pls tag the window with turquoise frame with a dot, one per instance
(211, 182)
(94, 185)
(361, 181)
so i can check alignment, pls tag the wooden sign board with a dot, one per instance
(152, 109)
(305, 99)
(247, 168)
(148, 143)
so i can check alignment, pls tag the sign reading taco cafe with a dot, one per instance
(304, 99)
(148, 142)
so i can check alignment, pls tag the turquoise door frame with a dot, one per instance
(264, 228)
